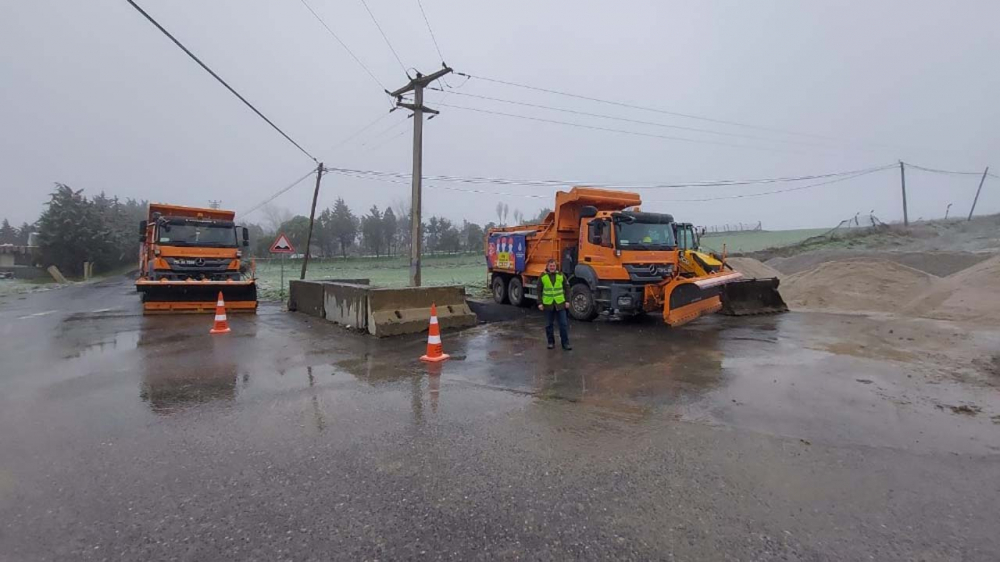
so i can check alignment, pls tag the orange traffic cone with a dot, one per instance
(221, 324)
(434, 350)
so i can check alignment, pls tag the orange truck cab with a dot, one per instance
(617, 260)
(187, 255)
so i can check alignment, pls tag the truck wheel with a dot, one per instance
(499, 290)
(581, 303)
(515, 292)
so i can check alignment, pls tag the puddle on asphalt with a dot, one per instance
(117, 342)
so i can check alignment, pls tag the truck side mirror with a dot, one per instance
(142, 231)
(246, 236)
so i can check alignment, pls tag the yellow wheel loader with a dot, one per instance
(739, 298)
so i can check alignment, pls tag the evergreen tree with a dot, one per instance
(343, 226)
(69, 231)
(372, 230)
(389, 231)
(8, 235)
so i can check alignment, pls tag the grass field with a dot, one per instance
(459, 269)
(753, 241)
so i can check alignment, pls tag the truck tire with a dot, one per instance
(515, 292)
(499, 288)
(581, 303)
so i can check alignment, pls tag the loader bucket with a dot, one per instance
(175, 297)
(752, 296)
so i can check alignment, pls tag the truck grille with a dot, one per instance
(646, 272)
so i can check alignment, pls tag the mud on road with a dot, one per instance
(804, 436)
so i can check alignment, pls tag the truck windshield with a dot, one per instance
(645, 236)
(215, 236)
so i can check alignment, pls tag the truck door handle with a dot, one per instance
(586, 259)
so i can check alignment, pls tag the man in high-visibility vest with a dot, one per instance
(554, 301)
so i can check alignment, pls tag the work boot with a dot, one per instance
(551, 345)
(567, 347)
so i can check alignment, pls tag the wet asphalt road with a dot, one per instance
(796, 437)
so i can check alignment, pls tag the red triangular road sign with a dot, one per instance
(282, 246)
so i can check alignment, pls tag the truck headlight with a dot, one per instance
(625, 301)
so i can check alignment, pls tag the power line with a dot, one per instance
(387, 141)
(434, 39)
(361, 130)
(937, 171)
(344, 45)
(277, 193)
(221, 81)
(400, 61)
(352, 173)
(602, 116)
(762, 193)
(564, 183)
(384, 131)
(652, 109)
(622, 131)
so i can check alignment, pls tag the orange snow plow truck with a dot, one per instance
(187, 255)
(616, 259)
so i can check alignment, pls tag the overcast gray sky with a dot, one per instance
(94, 96)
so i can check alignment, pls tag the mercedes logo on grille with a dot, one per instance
(199, 261)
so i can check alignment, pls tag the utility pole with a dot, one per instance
(312, 217)
(976, 200)
(902, 179)
(417, 85)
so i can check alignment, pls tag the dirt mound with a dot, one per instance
(972, 294)
(856, 285)
(750, 267)
(935, 262)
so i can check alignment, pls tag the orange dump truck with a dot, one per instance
(187, 255)
(617, 260)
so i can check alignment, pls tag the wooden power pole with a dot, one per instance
(902, 181)
(417, 85)
(312, 218)
(976, 200)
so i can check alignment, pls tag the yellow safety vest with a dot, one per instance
(552, 293)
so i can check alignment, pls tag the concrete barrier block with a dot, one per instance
(381, 312)
(407, 311)
(306, 297)
(346, 304)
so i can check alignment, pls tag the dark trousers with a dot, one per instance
(551, 313)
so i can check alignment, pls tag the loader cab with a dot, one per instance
(687, 238)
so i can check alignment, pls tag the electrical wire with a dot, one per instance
(387, 141)
(221, 81)
(652, 109)
(361, 130)
(344, 45)
(937, 171)
(547, 196)
(762, 193)
(400, 61)
(566, 183)
(277, 193)
(621, 131)
(384, 131)
(434, 39)
(626, 120)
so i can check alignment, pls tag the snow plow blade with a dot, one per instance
(752, 296)
(690, 299)
(178, 297)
